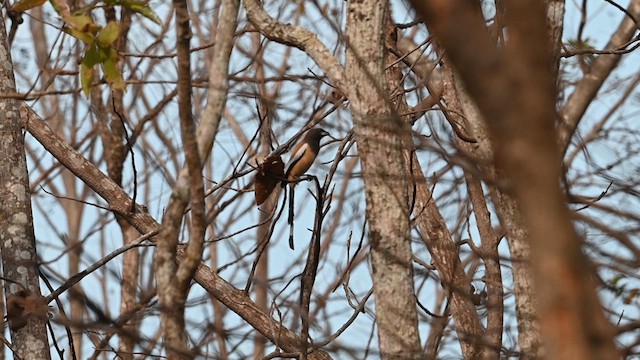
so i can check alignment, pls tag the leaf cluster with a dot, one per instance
(99, 40)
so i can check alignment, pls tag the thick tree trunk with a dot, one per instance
(19, 258)
(514, 88)
(379, 133)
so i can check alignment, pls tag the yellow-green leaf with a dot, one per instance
(91, 57)
(112, 74)
(80, 35)
(81, 27)
(108, 35)
(106, 53)
(141, 8)
(24, 5)
(97, 55)
(86, 78)
(79, 22)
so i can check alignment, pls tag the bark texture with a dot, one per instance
(19, 258)
(379, 133)
(173, 278)
(464, 111)
(431, 224)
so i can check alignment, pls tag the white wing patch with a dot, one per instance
(295, 158)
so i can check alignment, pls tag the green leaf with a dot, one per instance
(86, 78)
(97, 55)
(92, 57)
(25, 5)
(81, 27)
(112, 74)
(79, 22)
(108, 35)
(106, 53)
(80, 35)
(141, 8)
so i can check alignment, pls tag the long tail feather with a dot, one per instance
(290, 220)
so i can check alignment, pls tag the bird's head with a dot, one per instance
(316, 134)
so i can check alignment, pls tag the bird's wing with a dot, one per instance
(297, 155)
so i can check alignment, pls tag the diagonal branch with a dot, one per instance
(302, 39)
(588, 87)
(236, 300)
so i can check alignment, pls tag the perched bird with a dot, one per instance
(304, 154)
(302, 157)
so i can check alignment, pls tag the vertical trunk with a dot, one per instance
(19, 258)
(3, 323)
(173, 281)
(261, 280)
(514, 88)
(129, 291)
(76, 294)
(508, 213)
(116, 148)
(219, 309)
(216, 100)
(379, 135)
(444, 252)
(529, 337)
(72, 210)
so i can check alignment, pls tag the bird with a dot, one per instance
(302, 157)
(304, 154)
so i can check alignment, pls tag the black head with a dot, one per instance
(315, 135)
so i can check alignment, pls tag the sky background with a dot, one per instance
(101, 234)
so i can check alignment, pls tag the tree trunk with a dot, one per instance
(379, 135)
(514, 88)
(507, 210)
(19, 258)
(431, 224)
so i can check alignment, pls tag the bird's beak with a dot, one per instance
(328, 135)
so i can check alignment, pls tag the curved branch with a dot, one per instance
(299, 38)
(587, 89)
